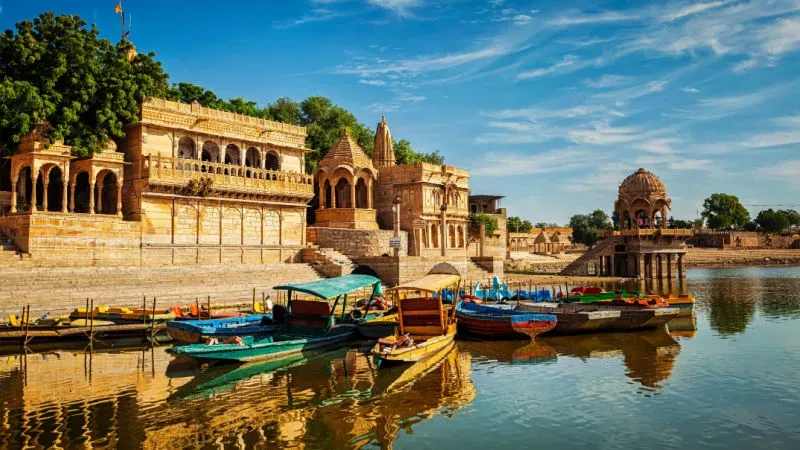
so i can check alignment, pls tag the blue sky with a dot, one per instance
(549, 103)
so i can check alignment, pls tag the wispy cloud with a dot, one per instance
(399, 100)
(607, 81)
(774, 139)
(604, 134)
(524, 164)
(569, 63)
(788, 171)
(372, 82)
(578, 18)
(661, 146)
(401, 7)
(314, 15)
(782, 37)
(689, 9)
(690, 90)
(691, 164)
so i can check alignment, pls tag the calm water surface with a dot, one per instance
(727, 379)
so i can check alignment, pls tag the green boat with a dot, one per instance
(601, 297)
(309, 324)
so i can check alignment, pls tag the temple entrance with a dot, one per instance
(365, 270)
(81, 193)
(271, 162)
(107, 189)
(343, 199)
(361, 194)
(55, 190)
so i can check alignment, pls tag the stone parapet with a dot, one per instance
(355, 243)
(393, 271)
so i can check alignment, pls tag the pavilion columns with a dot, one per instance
(669, 266)
(119, 199)
(64, 192)
(681, 272)
(640, 266)
(443, 235)
(352, 195)
(91, 196)
(333, 195)
(14, 194)
(369, 194)
(651, 266)
(35, 192)
(71, 197)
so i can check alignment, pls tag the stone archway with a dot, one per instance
(272, 161)
(24, 189)
(55, 189)
(452, 233)
(187, 148)
(327, 192)
(365, 270)
(362, 194)
(81, 193)
(210, 152)
(253, 158)
(460, 236)
(434, 236)
(107, 191)
(233, 155)
(343, 199)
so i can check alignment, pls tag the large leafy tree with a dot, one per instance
(585, 226)
(515, 224)
(724, 211)
(772, 221)
(55, 68)
(792, 216)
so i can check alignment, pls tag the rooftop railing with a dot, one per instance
(677, 232)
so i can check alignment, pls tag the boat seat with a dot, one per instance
(422, 316)
(309, 316)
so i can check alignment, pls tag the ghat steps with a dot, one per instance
(63, 289)
(580, 265)
(10, 255)
(328, 261)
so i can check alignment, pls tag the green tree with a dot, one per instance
(772, 221)
(724, 211)
(679, 223)
(792, 216)
(404, 154)
(489, 222)
(585, 226)
(526, 227)
(55, 68)
(546, 225)
(513, 224)
(286, 110)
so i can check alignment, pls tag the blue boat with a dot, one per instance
(501, 323)
(309, 324)
(191, 331)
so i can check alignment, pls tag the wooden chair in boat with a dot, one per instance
(310, 317)
(422, 317)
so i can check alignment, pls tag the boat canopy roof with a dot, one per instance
(332, 287)
(429, 283)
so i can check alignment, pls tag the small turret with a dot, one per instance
(383, 151)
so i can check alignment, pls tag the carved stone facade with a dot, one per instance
(198, 186)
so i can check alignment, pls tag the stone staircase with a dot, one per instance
(476, 272)
(10, 255)
(581, 265)
(327, 261)
(63, 289)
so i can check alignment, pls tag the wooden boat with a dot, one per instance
(310, 324)
(191, 331)
(599, 316)
(423, 322)
(124, 315)
(684, 303)
(498, 323)
(378, 327)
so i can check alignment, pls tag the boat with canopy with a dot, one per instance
(425, 328)
(308, 324)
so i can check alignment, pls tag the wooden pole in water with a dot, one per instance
(254, 299)
(26, 319)
(208, 306)
(197, 304)
(91, 323)
(153, 323)
(263, 302)
(144, 309)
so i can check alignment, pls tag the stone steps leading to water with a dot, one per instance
(61, 290)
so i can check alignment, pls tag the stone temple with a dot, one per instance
(644, 246)
(190, 185)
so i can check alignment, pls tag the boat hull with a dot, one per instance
(582, 318)
(266, 348)
(496, 323)
(418, 352)
(192, 331)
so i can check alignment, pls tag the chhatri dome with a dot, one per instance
(643, 196)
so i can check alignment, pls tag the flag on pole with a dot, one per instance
(118, 8)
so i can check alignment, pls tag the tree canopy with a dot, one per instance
(54, 68)
(489, 222)
(724, 212)
(516, 225)
(779, 221)
(585, 226)
(57, 69)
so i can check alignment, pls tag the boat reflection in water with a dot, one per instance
(649, 356)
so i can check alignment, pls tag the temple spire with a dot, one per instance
(383, 150)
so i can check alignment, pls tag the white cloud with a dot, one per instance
(372, 82)
(400, 7)
(690, 90)
(570, 62)
(660, 146)
(315, 15)
(606, 81)
(537, 113)
(691, 164)
(782, 37)
(603, 134)
(605, 179)
(690, 9)
(583, 19)
(789, 170)
(424, 63)
(775, 139)
(400, 99)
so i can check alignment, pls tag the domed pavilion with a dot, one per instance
(642, 202)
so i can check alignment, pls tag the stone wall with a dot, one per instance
(57, 239)
(744, 239)
(356, 243)
(411, 268)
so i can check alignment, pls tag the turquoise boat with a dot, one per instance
(309, 324)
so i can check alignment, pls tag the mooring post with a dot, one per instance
(197, 304)
(254, 299)
(91, 323)
(144, 310)
(153, 323)
(208, 306)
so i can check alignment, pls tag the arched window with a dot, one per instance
(272, 161)
(361, 194)
(186, 148)
(232, 155)
(327, 194)
(210, 152)
(461, 237)
(452, 233)
(343, 194)
(253, 158)
(434, 236)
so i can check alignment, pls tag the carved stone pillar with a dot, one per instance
(64, 193)
(443, 234)
(333, 195)
(369, 194)
(14, 195)
(91, 197)
(352, 195)
(71, 197)
(45, 184)
(35, 192)
(119, 201)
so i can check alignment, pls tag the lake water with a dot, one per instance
(728, 379)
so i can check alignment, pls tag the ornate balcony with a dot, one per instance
(169, 171)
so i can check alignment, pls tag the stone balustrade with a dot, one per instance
(178, 171)
(676, 232)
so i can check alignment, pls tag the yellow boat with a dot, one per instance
(422, 318)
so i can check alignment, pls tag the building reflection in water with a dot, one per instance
(334, 400)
